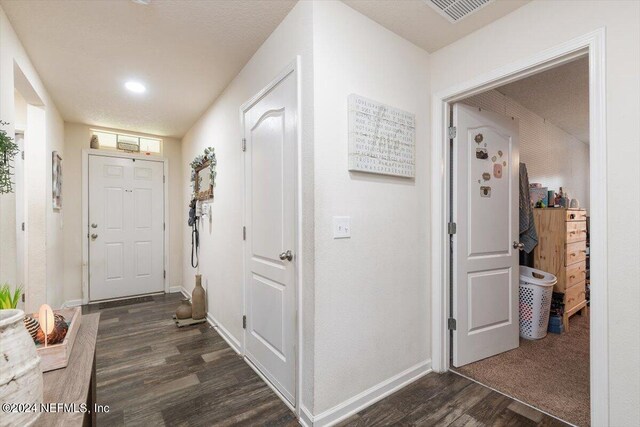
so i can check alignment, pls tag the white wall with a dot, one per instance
(221, 251)
(352, 302)
(77, 138)
(55, 218)
(45, 274)
(541, 25)
(371, 296)
(20, 111)
(553, 157)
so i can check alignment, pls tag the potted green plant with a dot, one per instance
(8, 150)
(8, 299)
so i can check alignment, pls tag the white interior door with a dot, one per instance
(21, 213)
(270, 183)
(485, 208)
(126, 227)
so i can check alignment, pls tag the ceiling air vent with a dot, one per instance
(455, 10)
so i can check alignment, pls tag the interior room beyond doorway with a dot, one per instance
(548, 369)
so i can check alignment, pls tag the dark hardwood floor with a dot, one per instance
(151, 373)
(449, 400)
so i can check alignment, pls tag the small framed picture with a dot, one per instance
(538, 194)
(56, 180)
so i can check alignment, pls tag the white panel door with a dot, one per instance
(270, 182)
(485, 255)
(126, 234)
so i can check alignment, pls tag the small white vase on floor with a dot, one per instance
(20, 375)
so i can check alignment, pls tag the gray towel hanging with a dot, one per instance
(528, 235)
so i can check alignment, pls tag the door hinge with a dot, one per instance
(451, 228)
(451, 324)
(244, 233)
(22, 155)
(164, 225)
(452, 132)
(244, 144)
(164, 178)
(164, 274)
(23, 226)
(244, 322)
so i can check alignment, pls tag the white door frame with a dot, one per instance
(592, 44)
(85, 211)
(22, 214)
(295, 68)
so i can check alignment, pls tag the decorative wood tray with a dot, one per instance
(56, 356)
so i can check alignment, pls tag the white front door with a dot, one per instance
(126, 220)
(485, 209)
(270, 183)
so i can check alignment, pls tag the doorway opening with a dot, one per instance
(531, 210)
(21, 212)
(29, 210)
(476, 276)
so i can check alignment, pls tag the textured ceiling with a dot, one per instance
(560, 95)
(186, 52)
(417, 22)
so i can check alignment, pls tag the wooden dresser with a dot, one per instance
(562, 251)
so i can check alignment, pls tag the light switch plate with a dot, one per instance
(341, 227)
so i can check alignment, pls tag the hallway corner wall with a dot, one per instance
(221, 250)
(45, 225)
(372, 321)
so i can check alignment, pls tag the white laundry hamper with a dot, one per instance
(536, 290)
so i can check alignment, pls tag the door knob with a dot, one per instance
(94, 236)
(286, 255)
(94, 225)
(518, 245)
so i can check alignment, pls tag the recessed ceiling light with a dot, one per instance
(145, 2)
(135, 87)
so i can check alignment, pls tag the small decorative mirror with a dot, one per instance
(203, 175)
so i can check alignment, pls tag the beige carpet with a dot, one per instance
(551, 374)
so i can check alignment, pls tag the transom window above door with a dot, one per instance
(128, 143)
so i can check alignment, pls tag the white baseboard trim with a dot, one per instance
(186, 293)
(370, 396)
(305, 418)
(225, 334)
(175, 289)
(72, 303)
